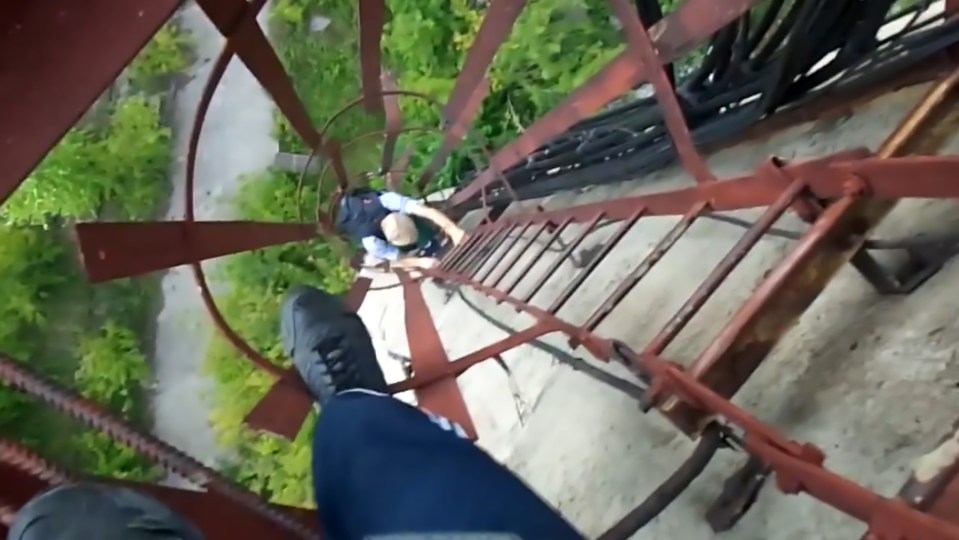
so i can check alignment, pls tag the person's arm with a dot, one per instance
(394, 202)
(384, 251)
(415, 262)
(451, 229)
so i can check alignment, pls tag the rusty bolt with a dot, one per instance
(855, 186)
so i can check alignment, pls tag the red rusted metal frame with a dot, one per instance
(237, 22)
(557, 232)
(642, 46)
(473, 265)
(456, 130)
(372, 18)
(585, 272)
(547, 322)
(835, 237)
(428, 357)
(453, 257)
(56, 58)
(24, 474)
(459, 366)
(114, 250)
(511, 262)
(725, 267)
(19, 376)
(674, 36)
(504, 252)
(554, 266)
(495, 28)
(799, 467)
(654, 256)
(394, 122)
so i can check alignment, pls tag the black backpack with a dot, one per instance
(360, 214)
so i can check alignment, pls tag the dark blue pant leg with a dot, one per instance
(381, 466)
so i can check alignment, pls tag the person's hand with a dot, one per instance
(429, 263)
(457, 235)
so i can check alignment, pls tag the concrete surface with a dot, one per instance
(235, 141)
(872, 380)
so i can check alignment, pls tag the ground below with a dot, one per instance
(236, 141)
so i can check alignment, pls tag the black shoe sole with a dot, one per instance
(329, 344)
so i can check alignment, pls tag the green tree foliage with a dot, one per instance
(168, 53)
(110, 166)
(258, 281)
(112, 372)
(126, 162)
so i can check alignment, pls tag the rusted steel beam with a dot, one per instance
(511, 262)
(476, 264)
(234, 20)
(642, 46)
(428, 357)
(674, 36)
(461, 365)
(654, 256)
(495, 28)
(456, 130)
(481, 245)
(827, 178)
(371, 33)
(746, 191)
(725, 267)
(554, 266)
(452, 256)
(585, 272)
(798, 280)
(600, 348)
(113, 250)
(56, 58)
(285, 406)
(504, 253)
(395, 180)
(799, 467)
(334, 152)
(394, 121)
(557, 231)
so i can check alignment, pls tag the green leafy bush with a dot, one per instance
(257, 283)
(54, 320)
(112, 368)
(127, 162)
(166, 54)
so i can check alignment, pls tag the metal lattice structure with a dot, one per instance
(843, 197)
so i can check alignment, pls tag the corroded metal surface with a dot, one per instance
(53, 67)
(118, 250)
(843, 197)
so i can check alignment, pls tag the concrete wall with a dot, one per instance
(874, 381)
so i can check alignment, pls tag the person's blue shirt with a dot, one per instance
(377, 247)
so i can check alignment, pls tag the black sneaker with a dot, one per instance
(328, 343)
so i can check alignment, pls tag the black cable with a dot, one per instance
(751, 70)
(712, 440)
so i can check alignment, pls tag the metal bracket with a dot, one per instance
(921, 264)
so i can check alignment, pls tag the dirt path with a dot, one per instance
(236, 141)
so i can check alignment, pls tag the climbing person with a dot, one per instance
(394, 228)
(382, 469)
